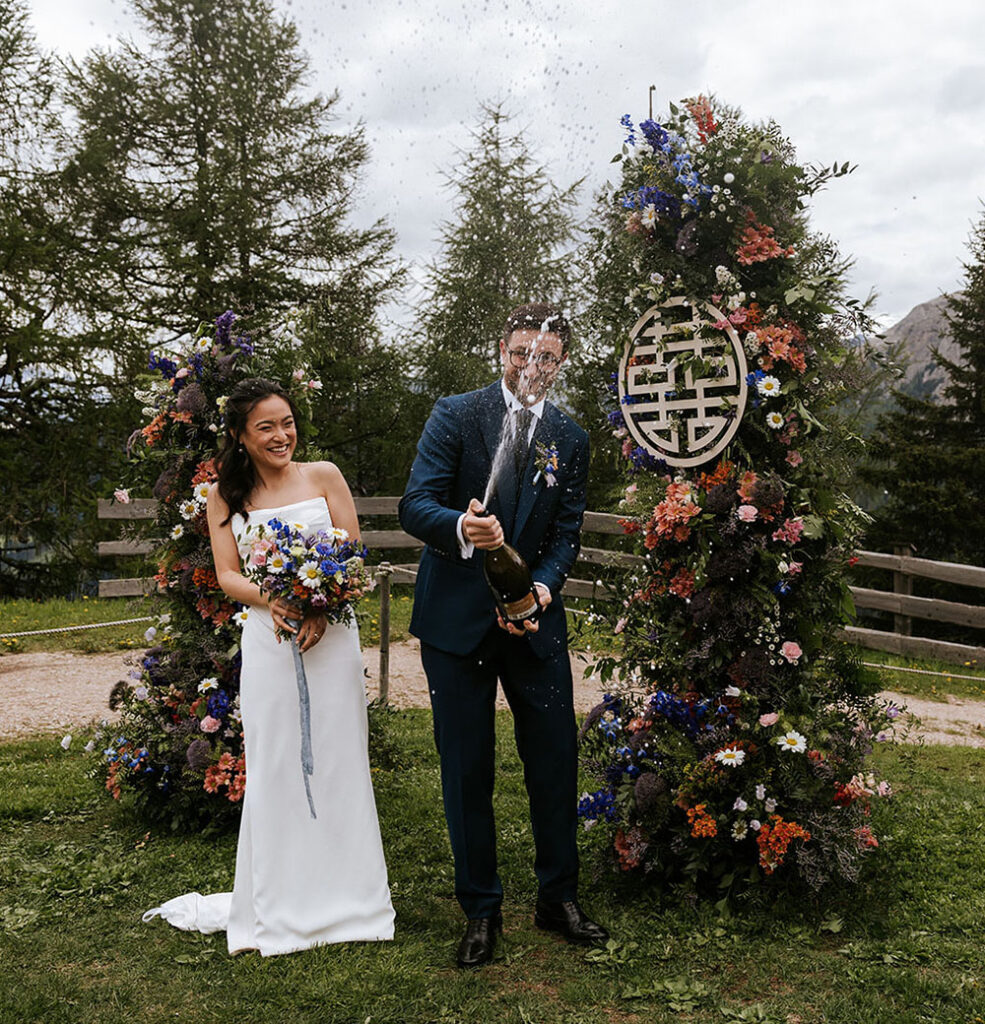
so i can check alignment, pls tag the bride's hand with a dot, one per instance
(281, 611)
(311, 631)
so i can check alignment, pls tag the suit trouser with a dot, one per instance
(539, 692)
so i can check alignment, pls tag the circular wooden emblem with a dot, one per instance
(682, 382)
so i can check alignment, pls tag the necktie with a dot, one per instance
(521, 432)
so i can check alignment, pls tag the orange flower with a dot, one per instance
(703, 825)
(205, 472)
(758, 243)
(152, 432)
(719, 475)
(774, 838)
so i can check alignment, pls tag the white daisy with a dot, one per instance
(201, 492)
(337, 533)
(240, 617)
(740, 830)
(208, 684)
(309, 575)
(731, 756)
(177, 531)
(793, 742)
(774, 420)
(768, 386)
(648, 217)
(276, 562)
(188, 509)
(202, 344)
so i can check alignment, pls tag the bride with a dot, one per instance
(300, 881)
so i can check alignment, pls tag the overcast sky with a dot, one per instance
(896, 86)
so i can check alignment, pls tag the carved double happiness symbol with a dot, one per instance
(682, 382)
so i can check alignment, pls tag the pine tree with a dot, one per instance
(204, 177)
(928, 454)
(52, 382)
(507, 243)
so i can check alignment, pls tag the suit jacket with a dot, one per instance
(453, 607)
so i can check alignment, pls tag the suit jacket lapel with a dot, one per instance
(528, 490)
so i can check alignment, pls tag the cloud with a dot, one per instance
(895, 86)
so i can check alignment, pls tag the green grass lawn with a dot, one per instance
(76, 871)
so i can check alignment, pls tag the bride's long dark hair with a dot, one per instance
(237, 475)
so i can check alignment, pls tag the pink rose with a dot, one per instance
(122, 495)
(747, 513)
(210, 724)
(791, 651)
(794, 458)
(258, 558)
(767, 720)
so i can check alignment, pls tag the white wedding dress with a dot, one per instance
(300, 881)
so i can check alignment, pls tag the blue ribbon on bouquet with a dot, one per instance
(304, 702)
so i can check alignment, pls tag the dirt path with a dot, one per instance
(52, 692)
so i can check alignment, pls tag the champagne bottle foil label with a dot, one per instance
(524, 608)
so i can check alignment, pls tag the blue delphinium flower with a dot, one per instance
(655, 135)
(167, 367)
(627, 122)
(218, 704)
(601, 804)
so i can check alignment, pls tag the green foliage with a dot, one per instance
(928, 453)
(369, 410)
(737, 721)
(77, 875)
(159, 756)
(57, 428)
(506, 244)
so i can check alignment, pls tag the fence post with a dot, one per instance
(384, 570)
(903, 584)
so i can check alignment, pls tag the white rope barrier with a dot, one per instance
(69, 629)
(921, 671)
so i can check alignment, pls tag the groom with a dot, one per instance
(466, 647)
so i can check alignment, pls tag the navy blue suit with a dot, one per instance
(464, 652)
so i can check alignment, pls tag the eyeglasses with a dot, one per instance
(545, 360)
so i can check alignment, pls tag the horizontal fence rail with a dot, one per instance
(899, 601)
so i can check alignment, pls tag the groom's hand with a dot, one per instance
(528, 625)
(480, 528)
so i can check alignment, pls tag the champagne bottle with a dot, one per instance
(511, 584)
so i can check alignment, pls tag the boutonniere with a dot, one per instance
(546, 462)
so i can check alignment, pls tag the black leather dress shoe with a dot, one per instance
(479, 940)
(569, 920)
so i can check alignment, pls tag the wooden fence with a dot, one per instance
(899, 600)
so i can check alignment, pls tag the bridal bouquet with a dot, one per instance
(322, 571)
